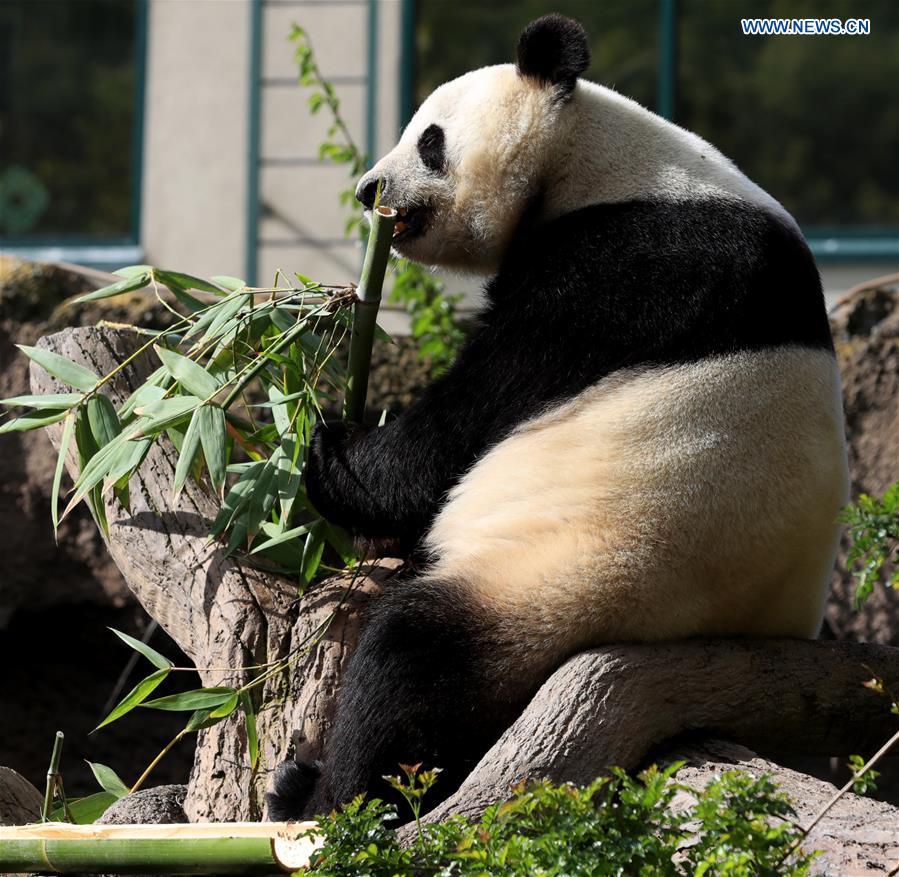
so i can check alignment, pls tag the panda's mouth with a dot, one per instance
(410, 222)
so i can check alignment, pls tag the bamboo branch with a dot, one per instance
(52, 776)
(365, 314)
(203, 848)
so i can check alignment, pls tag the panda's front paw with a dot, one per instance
(328, 472)
(291, 791)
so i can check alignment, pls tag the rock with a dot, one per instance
(20, 802)
(161, 805)
(866, 335)
(858, 836)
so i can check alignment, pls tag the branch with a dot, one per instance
(610, 706)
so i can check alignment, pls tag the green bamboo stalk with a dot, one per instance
(53, 776)
(368, 296)
(209, 848)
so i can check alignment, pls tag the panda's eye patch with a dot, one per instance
(432, 148)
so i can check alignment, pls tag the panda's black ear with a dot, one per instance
(554, 50)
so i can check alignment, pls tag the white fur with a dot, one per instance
(662, 503)
(507, 138)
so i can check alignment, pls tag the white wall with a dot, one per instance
(195, 135)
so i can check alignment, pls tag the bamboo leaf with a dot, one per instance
(286, 536)
(133, 270)
(185, 281)
(103, 420)
(214, 438)
(280, 411)
(312, 552)
(191, 376)
(341, 542)
(289, 474)
(157, 660)
(162, 414)
(136, 696)
(197, 699)
(149, 392)
(237, 498)
(65, 370)
(252, 734)
(234, 284)
(136, 281)
(32, 420)
(262, 498)
(200, 720)
(108, 779)
(127, 458)
(225, 710)
(87, 810)
(225, 313)
(67, 432)
(52, 400)
(95, 469)
(188, 453)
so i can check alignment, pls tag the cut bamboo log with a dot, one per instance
(201, 848)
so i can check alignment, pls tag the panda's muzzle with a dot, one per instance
(411, 221)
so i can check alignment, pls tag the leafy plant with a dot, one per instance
(874, 534)
(433, 312)
(864, 777)
(243, 374)
(738, 825)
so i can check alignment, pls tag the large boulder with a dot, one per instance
(866, 333)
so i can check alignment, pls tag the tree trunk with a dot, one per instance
(603, 707)
(222, 612)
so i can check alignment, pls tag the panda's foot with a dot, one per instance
(291, 792)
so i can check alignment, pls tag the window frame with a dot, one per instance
(113, 251)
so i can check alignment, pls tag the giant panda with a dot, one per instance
(642, 439)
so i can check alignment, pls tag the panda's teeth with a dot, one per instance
(399, 228)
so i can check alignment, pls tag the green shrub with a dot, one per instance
(739, 825)
(874, 534)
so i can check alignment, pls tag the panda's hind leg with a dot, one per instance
(420, 688)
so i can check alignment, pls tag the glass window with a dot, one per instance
(68, 117)
(813, 119)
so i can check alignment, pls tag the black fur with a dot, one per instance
(432, 149)
(293, 787)
(419, 689)
(554, 50)
(608, 287)
(632, 285)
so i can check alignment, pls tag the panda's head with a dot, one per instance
(472, 158)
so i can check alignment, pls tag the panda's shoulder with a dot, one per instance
(719, 269)
(699, 228)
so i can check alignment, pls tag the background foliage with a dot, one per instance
(811, 119)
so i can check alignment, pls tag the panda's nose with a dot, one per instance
(367, 190)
